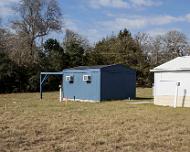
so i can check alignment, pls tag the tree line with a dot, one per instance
(25, 50)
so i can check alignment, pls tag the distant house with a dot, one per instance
(97, 83)
(172, 83)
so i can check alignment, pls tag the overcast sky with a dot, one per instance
(95, 19)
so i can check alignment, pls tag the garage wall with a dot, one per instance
(165, 83)
(165, 88)
(182, 101)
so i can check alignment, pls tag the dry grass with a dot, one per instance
(28, 124)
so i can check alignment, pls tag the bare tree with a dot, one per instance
(175, 43)
(37, 19)
(145, 42)
(4, 34)
(73, 37)
(157, 48)
(18, 48)
(162, 48)
(2, 44)
(1, 37)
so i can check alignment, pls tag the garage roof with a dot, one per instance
(177, 64)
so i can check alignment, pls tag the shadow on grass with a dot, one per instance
(142, 98)
(137, 99)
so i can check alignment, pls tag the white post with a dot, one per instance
(60, 93)
(176, 94)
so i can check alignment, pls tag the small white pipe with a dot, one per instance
(176, 95)
(60, 93)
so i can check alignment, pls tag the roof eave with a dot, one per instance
(52, 73)
(77, 70)
(168, 70)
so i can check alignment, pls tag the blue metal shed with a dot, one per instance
(97, 83)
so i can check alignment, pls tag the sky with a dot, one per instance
(95, 19)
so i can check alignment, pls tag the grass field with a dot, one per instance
(28, 124)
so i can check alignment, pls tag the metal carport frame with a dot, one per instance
(44, 76)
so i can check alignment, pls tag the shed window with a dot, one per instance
(87, 78)
(69, 79)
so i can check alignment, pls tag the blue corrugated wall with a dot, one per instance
(118, 83)
(80, 89)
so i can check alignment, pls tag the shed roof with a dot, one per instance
(92, 67)
(177, 64)
(88, 67)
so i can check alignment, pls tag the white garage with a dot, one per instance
(172, 83)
